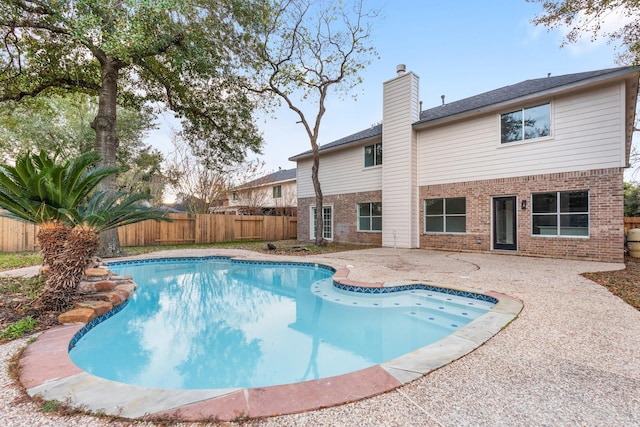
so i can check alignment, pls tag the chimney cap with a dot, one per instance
(401, 68)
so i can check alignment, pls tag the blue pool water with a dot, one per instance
(220, 323)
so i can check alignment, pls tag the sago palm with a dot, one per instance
(101, 212)
(38, 190)
(60, 198)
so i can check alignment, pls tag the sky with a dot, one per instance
(458, 48)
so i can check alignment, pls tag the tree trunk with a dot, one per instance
(68, 269)
(319, 240)
(107, 142)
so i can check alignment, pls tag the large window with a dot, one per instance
(445, 215)
(373, 155)
(561, 213)
(327, 222)
(277, 191)
(526, 123)
(370, 216)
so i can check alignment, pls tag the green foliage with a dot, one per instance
(38, 189)
(186, 55)
(18, 328)
(631, 199)
(50, 406)
(62, 124)
(105, 211)
(590, 17)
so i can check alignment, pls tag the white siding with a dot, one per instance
(341, 172)
(399, 193)
(262, 196)
(587, 133)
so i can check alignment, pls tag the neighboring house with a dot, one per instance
(273, 194)
(535, 168)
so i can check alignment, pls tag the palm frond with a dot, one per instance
(105, 211)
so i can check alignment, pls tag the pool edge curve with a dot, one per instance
(48, 372)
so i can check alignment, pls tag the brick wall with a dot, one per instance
(606, 226)
(345, 217)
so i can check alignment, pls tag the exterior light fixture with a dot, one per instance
(523, 204)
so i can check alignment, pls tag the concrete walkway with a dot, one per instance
(572, 357)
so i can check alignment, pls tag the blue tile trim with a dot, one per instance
(284, 264)
(164, 260)
(207, 258)
(86, 328)
(412, 287)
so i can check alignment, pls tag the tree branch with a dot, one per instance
(59, 82)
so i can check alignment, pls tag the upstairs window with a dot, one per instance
(561, 213)
(526, 123)
(370, 216)
(373, 155)
(277, 191)
(445, 215)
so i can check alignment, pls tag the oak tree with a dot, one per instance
(185, 55)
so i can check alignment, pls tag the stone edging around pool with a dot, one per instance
(48, 372)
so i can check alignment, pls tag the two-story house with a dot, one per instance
(535, 168)
(273, 194)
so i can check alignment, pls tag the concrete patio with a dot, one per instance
(572, 357)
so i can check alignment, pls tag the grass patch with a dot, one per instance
(11, 260)
(19, 328)
(283, 247)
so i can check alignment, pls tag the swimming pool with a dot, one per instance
(214, 322)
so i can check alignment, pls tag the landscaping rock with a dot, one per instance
(96, 272)
(77, 315)
(129, 287)
(114, 297)
(98, 307)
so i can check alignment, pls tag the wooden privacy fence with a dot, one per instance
(631, 222)
(205, 228)
(16, 236)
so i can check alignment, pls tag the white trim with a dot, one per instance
(370, 217)
(549, 137)
(364, 155)
(312, 231)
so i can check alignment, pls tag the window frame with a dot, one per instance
(525, 140)
(559, 214)
(377, 156)
(312, 222)
(277, 191)
(444, 216)
(371, 216)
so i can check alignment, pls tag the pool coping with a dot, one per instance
(46, 370)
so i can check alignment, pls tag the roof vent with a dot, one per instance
(401, 69)
(442, 97)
